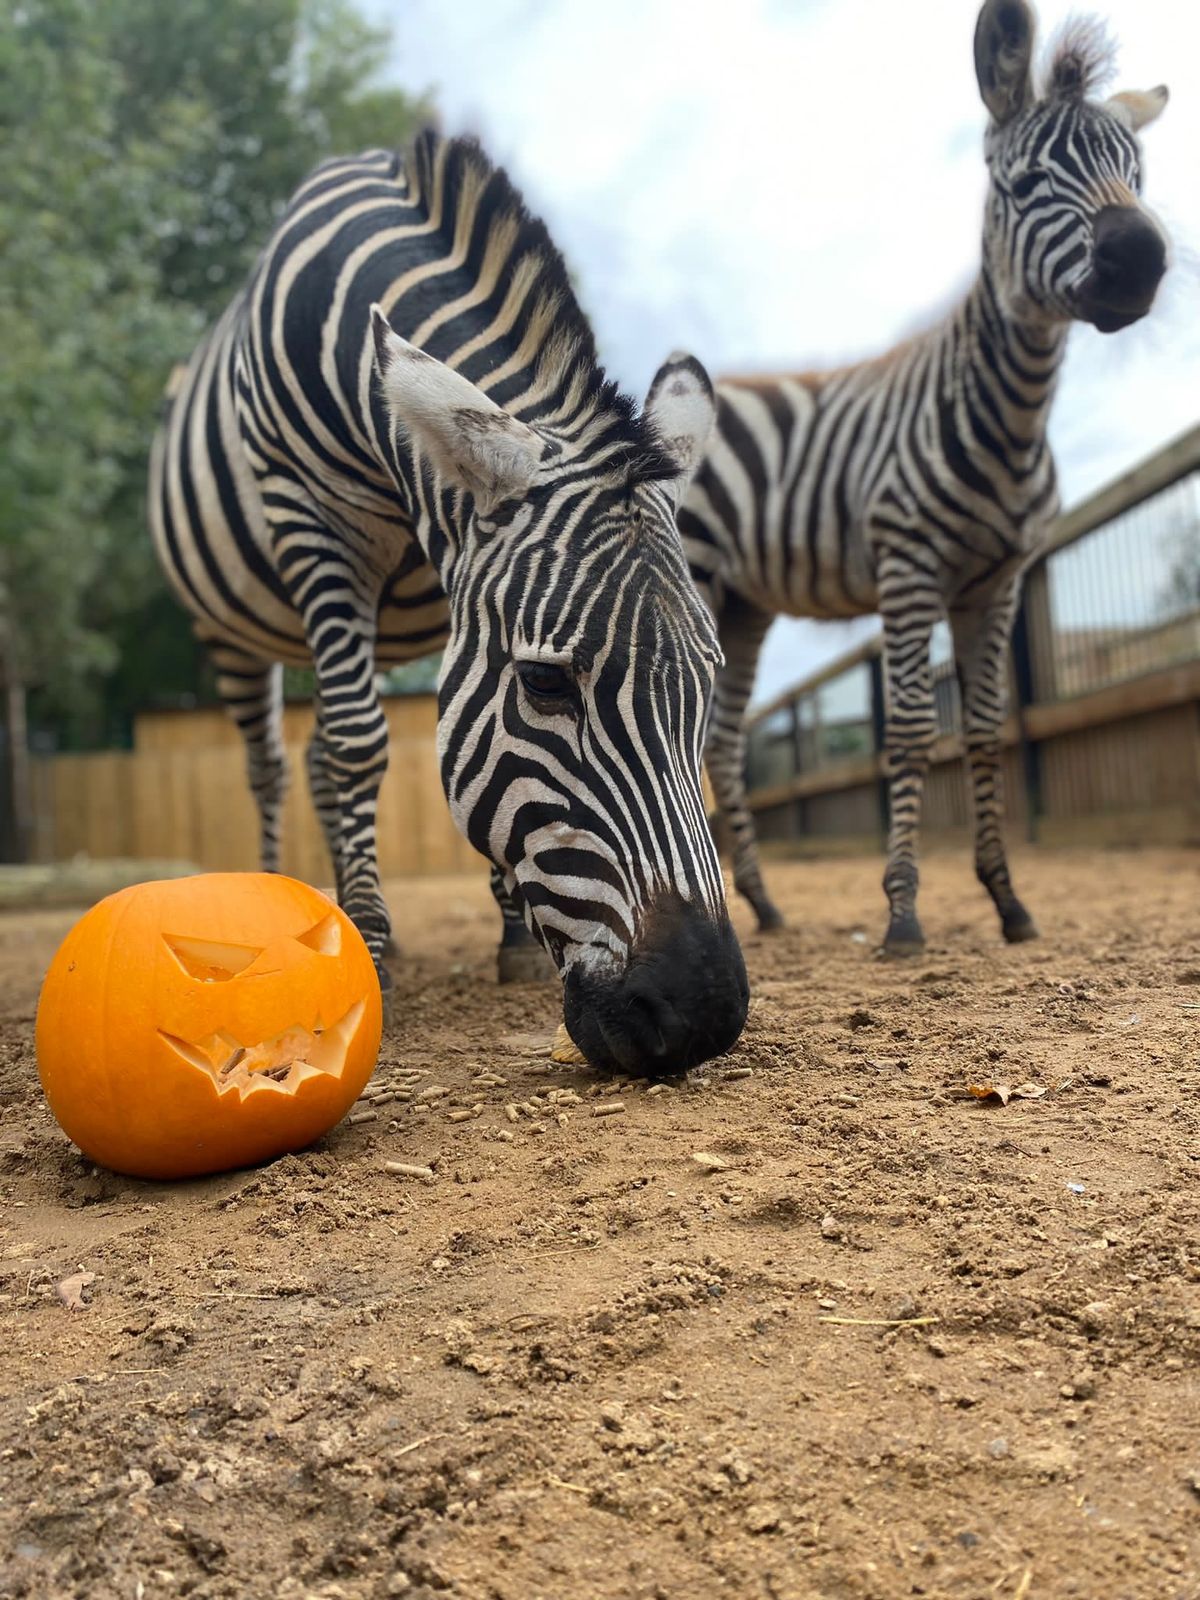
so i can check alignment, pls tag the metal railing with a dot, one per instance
(1108, 631)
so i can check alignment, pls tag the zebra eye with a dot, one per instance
(1022, 188)
(545, 683)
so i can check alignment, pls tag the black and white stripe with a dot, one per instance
(399, 439)
(918, 485)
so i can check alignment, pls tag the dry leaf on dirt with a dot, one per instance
(565, 1050)
(1005, 1092)
(70, 1290)
(710, 1162)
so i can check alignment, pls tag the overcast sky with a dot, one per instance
(777, 184)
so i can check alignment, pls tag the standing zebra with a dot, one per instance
(919, 485)
(326, 490)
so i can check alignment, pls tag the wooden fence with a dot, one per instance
(1103, 745)
(181, 794)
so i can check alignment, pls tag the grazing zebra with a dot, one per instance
(918, 485)
(325, 489)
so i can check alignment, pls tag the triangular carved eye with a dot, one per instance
(209, 961)
(325, 937)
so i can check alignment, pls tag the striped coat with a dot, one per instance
(398, 439)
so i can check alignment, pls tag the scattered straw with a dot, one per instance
(881, 1322)
(426, 1438)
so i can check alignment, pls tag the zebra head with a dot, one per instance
(1066, 235)
(575, 689)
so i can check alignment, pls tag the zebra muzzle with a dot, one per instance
(1128, 262)
(680, 1000)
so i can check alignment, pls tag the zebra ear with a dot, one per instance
(1136, 107)
(1003, 51)
(683, 408)
(472, 443)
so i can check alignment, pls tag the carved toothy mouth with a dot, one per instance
(277, 1065)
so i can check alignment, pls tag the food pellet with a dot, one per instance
(363, 1116)
(738, 1072)
(608, 1108)
(435, 1091)
(405, 1169)
(460, 1116)
(658, 1088)
(510, 1111)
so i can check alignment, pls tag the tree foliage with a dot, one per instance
(147, 149)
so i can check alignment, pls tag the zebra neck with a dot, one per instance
(1011, 365)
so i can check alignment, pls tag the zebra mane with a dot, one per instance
(456, 180)
(1080, 61)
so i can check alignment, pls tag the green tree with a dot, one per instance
(147, 149)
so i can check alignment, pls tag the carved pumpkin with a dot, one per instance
(204, 1023)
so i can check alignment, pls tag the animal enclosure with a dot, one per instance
(1103, 742)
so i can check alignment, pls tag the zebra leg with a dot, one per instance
(909, 613)
(981, 640)
(252, 692)
(354, 740)
(325, 803)
(741, 628)
(520, 958)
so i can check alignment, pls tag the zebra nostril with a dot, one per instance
(1108, 256)
(655, 1025)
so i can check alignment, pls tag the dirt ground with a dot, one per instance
(905, 1342)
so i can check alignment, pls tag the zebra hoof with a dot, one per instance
(1019, 930)
(524, 963)
(904, 938)
(770, 918)
(391, 950)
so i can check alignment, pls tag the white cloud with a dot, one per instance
(778, 185)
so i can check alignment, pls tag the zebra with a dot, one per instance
(398, 439)
(919, 485)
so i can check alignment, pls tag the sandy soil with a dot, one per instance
(578, 1364)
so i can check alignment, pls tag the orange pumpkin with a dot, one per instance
(204, 1023)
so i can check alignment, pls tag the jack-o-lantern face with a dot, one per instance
(204, 1023)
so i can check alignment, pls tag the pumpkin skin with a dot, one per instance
(198, 1024)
